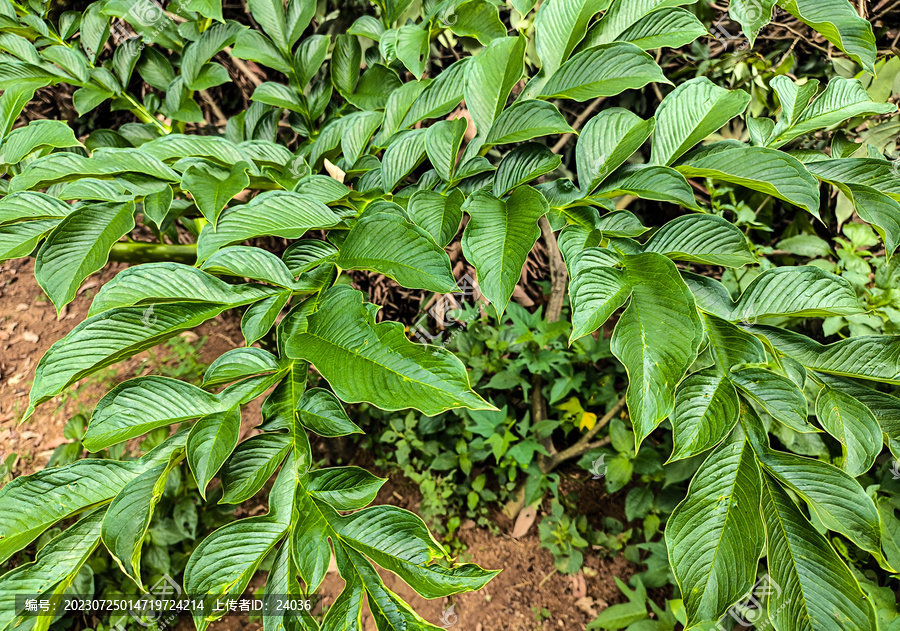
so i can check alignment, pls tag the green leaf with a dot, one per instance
(13, 101)
(752, 15)
(597, 290)
(606, 142)
(310, 56)
(656, 339)
(690, 113)
(438, 99)
(603, 71)
(479, 19)
(815, 588)
(20, 239)
(401, 250)
(251, 465)
(35, 135)
(490, 78)
(53, 571)
(270, 16)
(874, 173)
(412, 47)
(715, 536)
(837, 500)
(321, 412)
(124, 331)
(79, 247)
(344, 488)
(227, 559)
(706, 410)
(259, 318)
(239, 363)
(438, 214)
(210, 443)
(839, 24)
(706, 239)
(170, 282)
(31, 504)
(364, 361)
(346, 58)
(65, 167)
(841, 100)
(659, 183)
(306, 254)
(254, 46)
(128, 517)
(274, 213)
(757, 168)
(729, 344)
(866, 357)
(442, 143)
(778, 395)
(249, 262)
(559, 26)
(197, 55)
(139, 405)
(211, 191)
(525, 120)
(399, 541)
(853, 425)
(406, 152)
(879, 210)
(664, 28)
(525, 163)
(278, 95)
(498, 238)
(802, 291)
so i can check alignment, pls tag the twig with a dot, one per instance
(559, 275)
(584, 444)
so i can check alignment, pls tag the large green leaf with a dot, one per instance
(79, 247)
(56, 565)
(442, 143)
(837, 500)
(129, 514)
(211, 441)
(33, 136)
(559, 26)
(758, 168)
(752, 15)
(490, 78)
(276, 213)
(364, 361)
(871, 357)
(30, 504)
(840, 24)
(401, 250)
(65, 167)
(439, 98)
(656, 339)
(803, 291)
(136, 406)
(438, 214)
(715, 536)
(597, 289)
(778, 395)
(815, 590)
(659, 183)
(525, 120)
(321, 412)
(706, 410)
(871, 172)
(606, 142)
(669, 27)
(690, 113)
(603, 71)
(705, 239)
(251, 465)
(212, 189)
(853, 425)
(406, 152)
(498, 238)
(108, 338)
(522, 165)
(227, 559)
(842, 99)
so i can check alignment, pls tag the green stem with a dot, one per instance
(135, 252)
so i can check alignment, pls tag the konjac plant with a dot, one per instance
(357, 152)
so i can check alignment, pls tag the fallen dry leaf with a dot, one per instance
(524, 521)
(586, 604)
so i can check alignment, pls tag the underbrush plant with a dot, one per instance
(370, 105)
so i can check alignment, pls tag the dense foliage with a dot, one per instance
(350, 154)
